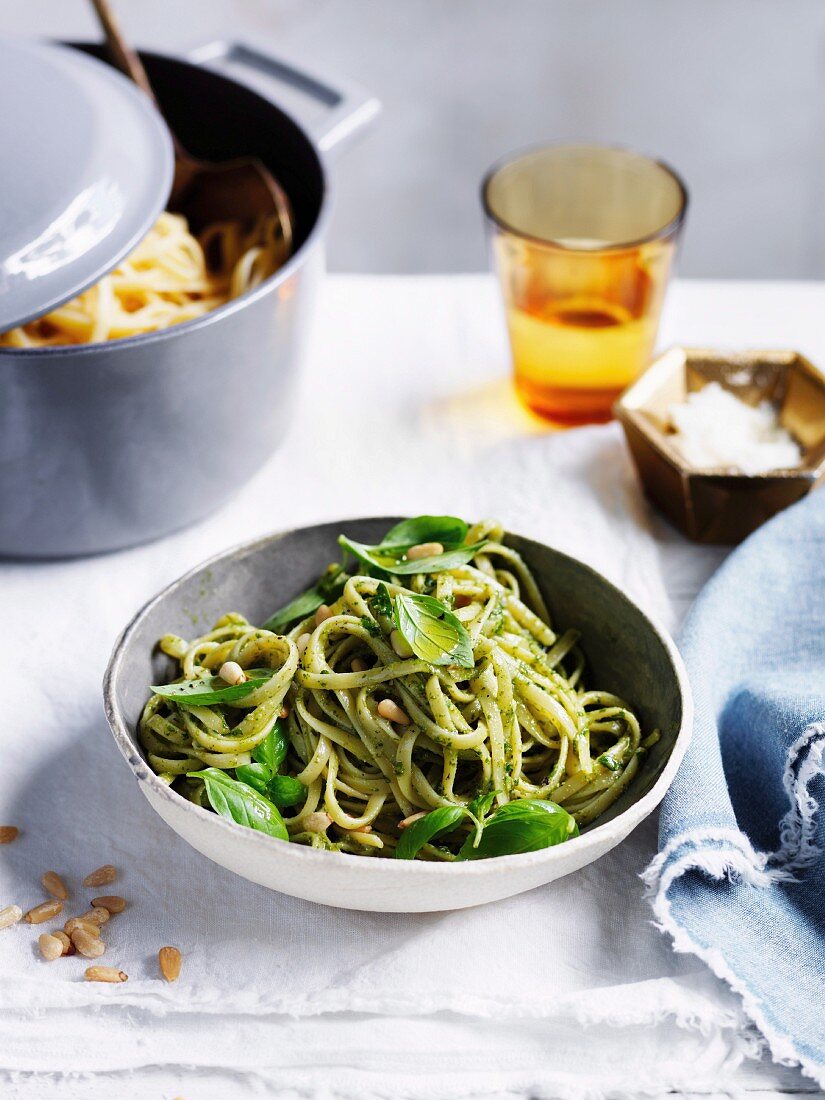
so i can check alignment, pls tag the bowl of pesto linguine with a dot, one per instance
(398, 714)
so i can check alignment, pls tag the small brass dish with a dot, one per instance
(720, 506)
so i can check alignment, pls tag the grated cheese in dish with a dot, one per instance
(714, 430)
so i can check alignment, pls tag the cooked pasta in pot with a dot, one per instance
(170, 277)
(419, 705)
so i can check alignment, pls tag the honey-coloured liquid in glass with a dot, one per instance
(583, 239)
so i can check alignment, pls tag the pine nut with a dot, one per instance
(409, 820)
(65, 942)
(111, 902)
(98, 914)
(10, 915)
(53, 884)
(302, 643)
(389, 709)
(169, 959)
(104, 974)
(102, 876)
(400, 644)
(43, 912)
(318, 822)
(91, 947)
(50, 946)
(232, 673)
(357, 665)
(322, 614)
(424, 550)
(73, 923)
(8, 833)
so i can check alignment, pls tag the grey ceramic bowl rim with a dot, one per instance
(235, 304)
(639, 809)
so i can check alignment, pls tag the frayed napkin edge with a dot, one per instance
(727, 853)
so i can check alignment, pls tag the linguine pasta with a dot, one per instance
(170, 277)
(515, 721)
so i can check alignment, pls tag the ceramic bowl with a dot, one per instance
(724, 506)
(626, 653)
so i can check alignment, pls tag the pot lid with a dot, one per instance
(86, 169)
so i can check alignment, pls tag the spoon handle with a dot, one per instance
(125, 58)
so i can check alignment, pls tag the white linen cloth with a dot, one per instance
(567, 991)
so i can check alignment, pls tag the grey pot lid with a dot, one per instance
(86, 169)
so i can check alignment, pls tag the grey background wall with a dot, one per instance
(731, 92)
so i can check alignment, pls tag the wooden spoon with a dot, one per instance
(241, 190)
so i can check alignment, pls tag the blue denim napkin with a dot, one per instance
(740, 875)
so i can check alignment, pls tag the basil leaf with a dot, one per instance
(480, 806)
(448, 530)
(450, 559)
(610, 762)
(271, 752)
(241, 803)
(283, 790)
(327, 590)
(254, 775)
(286, 791)
(427, 828)
(433, 633)
(370, 626)
(478, 810)
(522, 826)
(387, 560)
(212, 689)
(381, 602)
(381, 561)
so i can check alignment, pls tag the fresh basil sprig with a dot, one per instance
(448, 530)
(478, 809)
(254, 775)
(241, 803)
(387, 560)
(268, 756)
(327, 590)
(206, 690)
(271, 752)
(383, 560)
(434, 824)
(381, 605)
(433, 633)
(283, 790)
(522, 826)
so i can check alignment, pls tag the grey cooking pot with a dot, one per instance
(107, 445)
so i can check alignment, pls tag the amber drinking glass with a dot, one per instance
(583, 239)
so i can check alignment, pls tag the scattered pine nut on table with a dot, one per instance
(102, 876)
(111, 902)
(104, 974)
(10, 915)
(47, 911)
(65, 942)
(73, 923)
(53, 884)
(91, 947)
(50, 946)
(170, 960)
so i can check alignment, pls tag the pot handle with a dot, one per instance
(345, 109)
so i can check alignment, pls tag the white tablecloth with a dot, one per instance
(568, 991)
